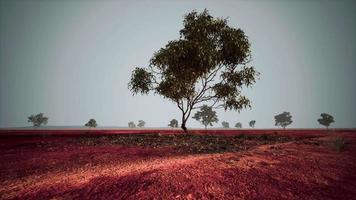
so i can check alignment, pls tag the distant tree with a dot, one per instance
(208, 63)
(206, 116)
(173, 123)
(91, 123)
(238, 125)
(141, 123)
(225, 124)
(132, 125)
(326, 120)
(252, 123)
(284, 119)
(37, 120)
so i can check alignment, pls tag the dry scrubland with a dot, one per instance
(275, 165)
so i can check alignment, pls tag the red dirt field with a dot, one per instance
(106, 131)
(305, 166)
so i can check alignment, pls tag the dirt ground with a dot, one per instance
(302, 167)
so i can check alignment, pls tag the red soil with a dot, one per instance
(58, 168)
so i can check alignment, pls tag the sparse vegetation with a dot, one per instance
(208, 63)
(187, 143)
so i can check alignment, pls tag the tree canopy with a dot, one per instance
(91, 123)
(132, 124)
(238, 125)
(326, 120)
(173, 123)
(141, 123)
(252, 123)
(284, 119)
(208, 63)
(225, 124)
(37, 120)
(206, 116)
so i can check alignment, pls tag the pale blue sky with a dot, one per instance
(72, 60)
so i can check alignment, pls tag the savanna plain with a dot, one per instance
(168, 164)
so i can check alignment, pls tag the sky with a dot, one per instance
(72, 60)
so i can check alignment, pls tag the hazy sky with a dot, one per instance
(72, 60)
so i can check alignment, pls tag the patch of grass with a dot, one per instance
(266, 138)
(339, 144)
(311, 142)
(186, 143)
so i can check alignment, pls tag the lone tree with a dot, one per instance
(37, 120)
(91, 123)
(238, 125)
(173, 123)
(141, 123)
(225, 124)
(284, 119)
(132, 124)
(208, 63)
(326, 120)
(252, 123)
(206, 116)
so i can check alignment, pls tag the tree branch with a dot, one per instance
(205, 82)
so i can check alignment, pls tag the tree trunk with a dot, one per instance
(185, 117)
(183, 123)
(184, 127)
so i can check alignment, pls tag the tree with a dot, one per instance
(132, 125)
(284, 119)
(173, 123)
(326, 120)
(141, 123)
(252, 123)
(91, 123)
(37, 120)
(208, 63)
(238, 125)
(225, 124)
(206, 116)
